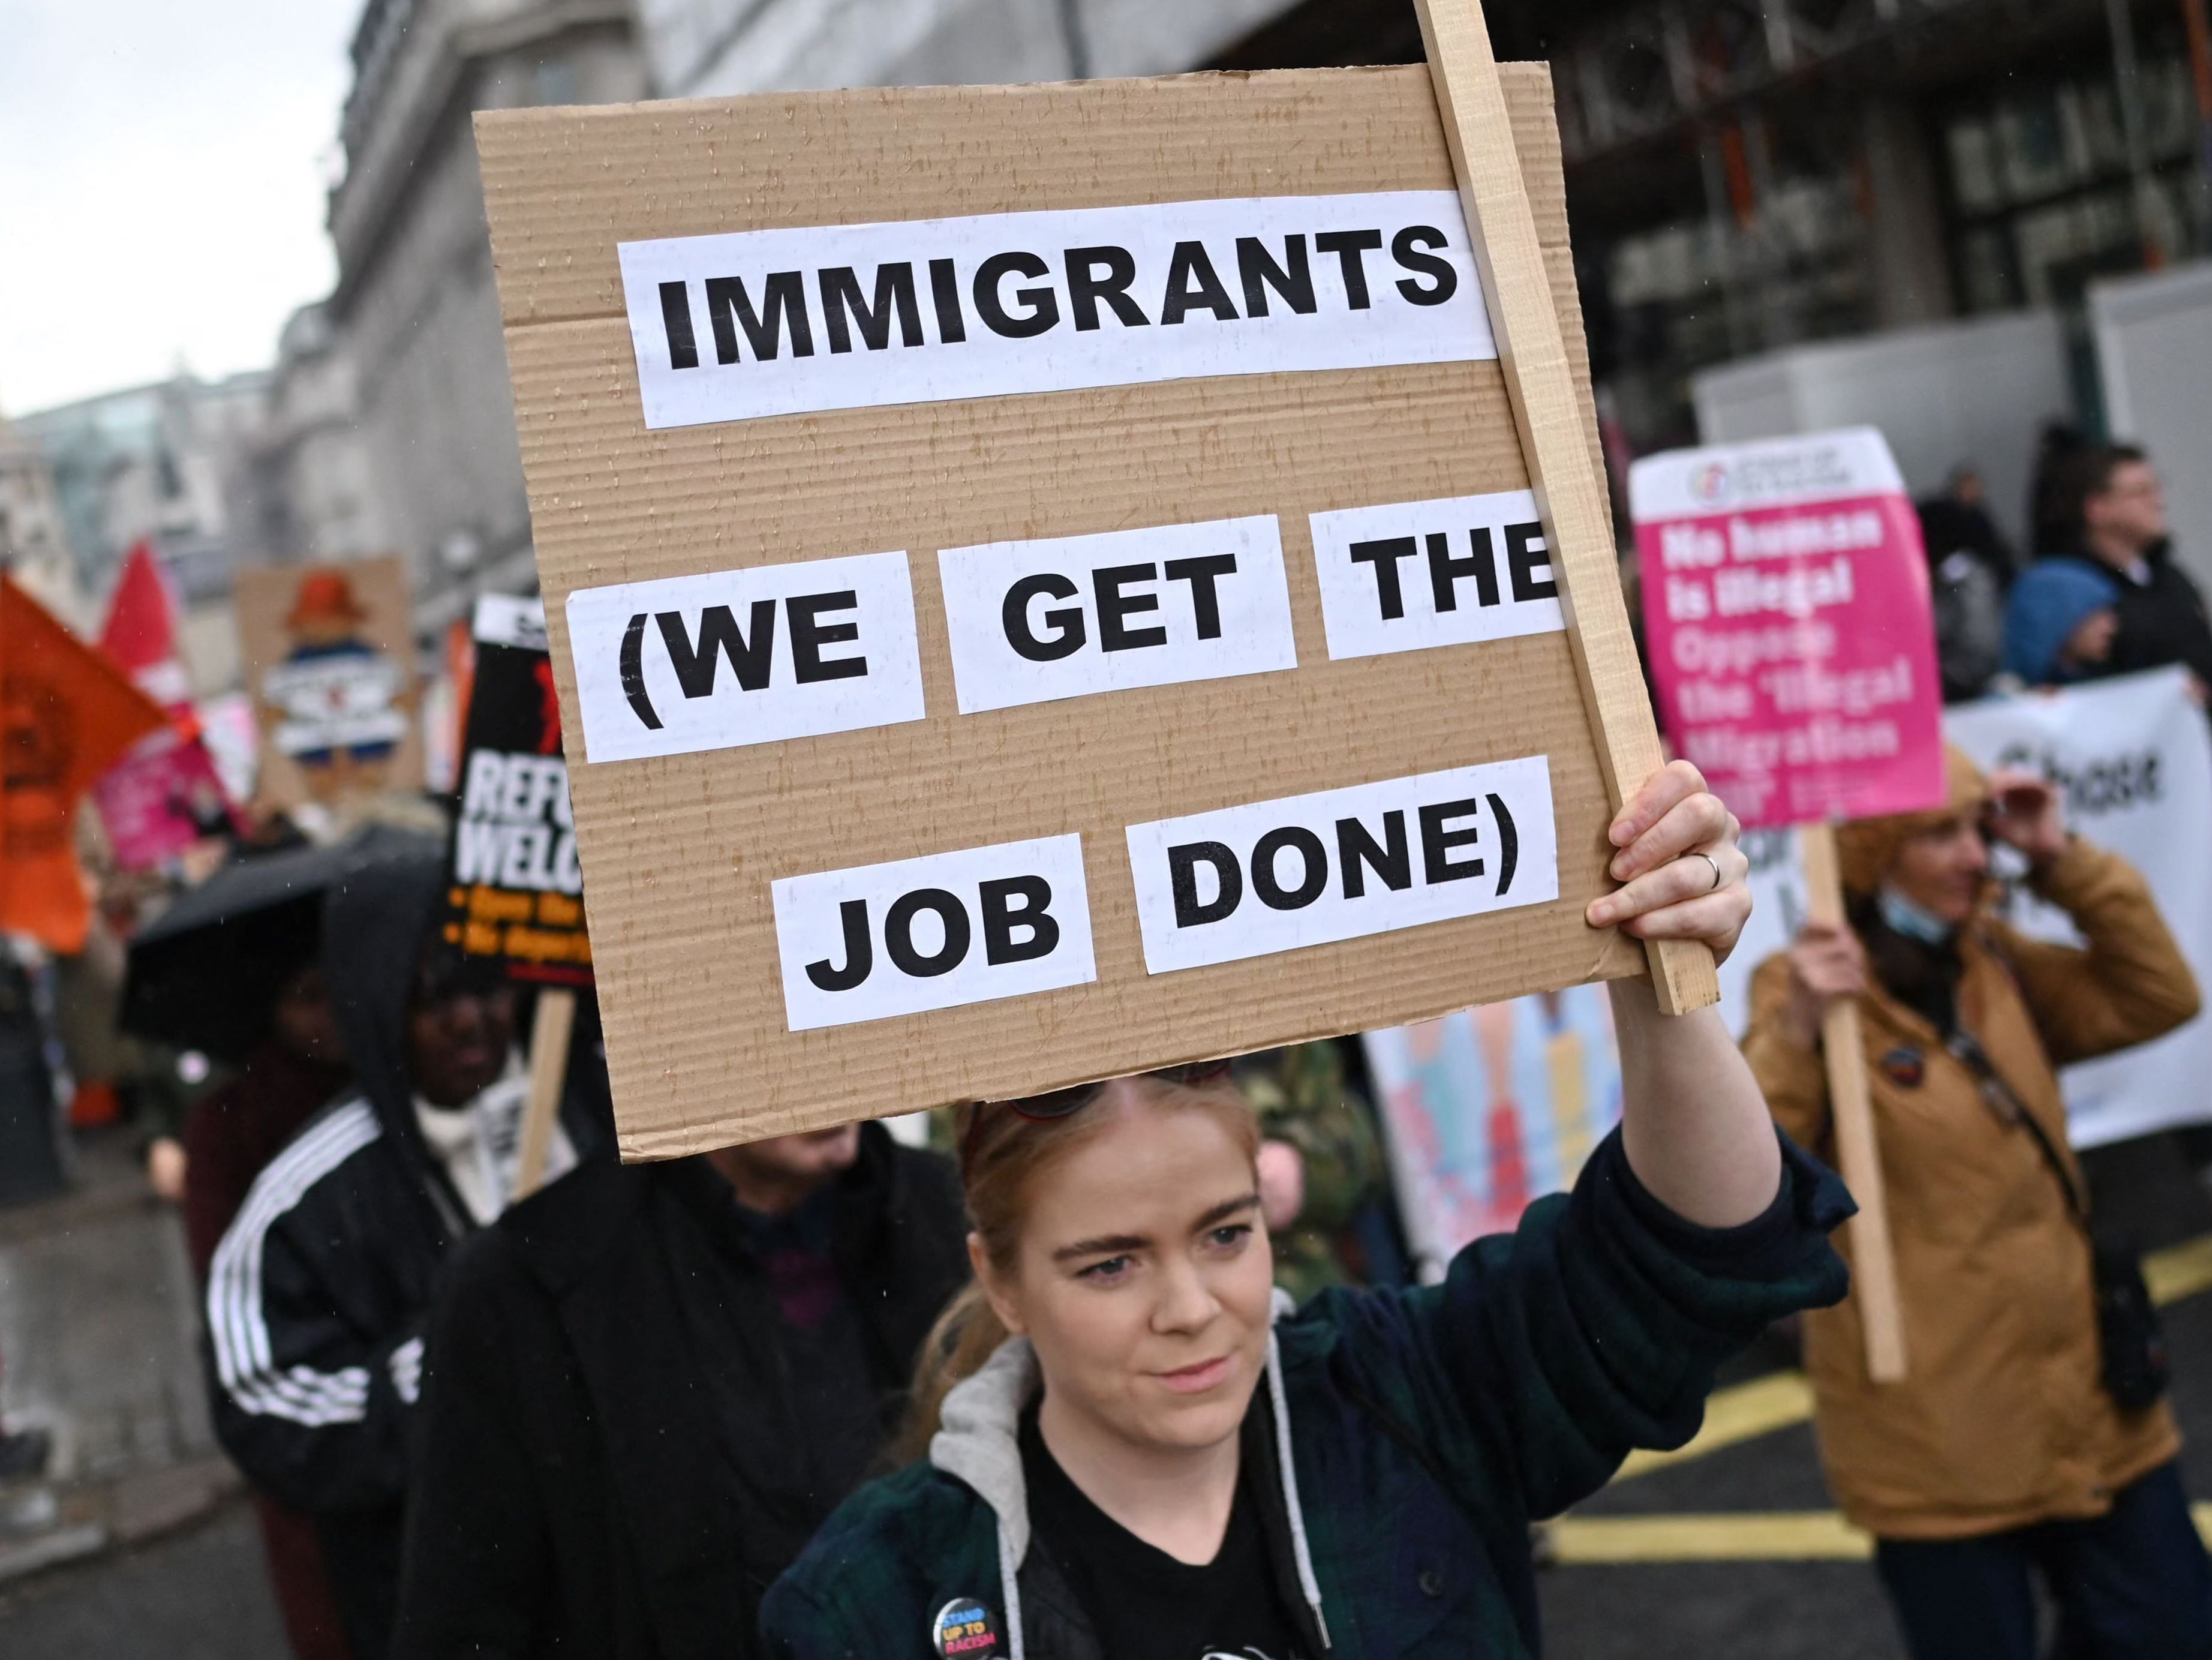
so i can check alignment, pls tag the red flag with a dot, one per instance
(66, 715)
(166, 794)
(141, 633)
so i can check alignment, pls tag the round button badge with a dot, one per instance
(964, 1627)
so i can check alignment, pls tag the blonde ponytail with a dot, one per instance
(966, 1335)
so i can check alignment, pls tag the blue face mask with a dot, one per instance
(1905, 917)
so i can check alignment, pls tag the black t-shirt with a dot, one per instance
(1144, 1604)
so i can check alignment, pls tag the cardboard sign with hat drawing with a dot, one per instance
(329, 664)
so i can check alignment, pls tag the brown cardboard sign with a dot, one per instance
(329, 660)
(1042, 582)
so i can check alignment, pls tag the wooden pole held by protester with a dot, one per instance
(549, 1067)
(1850, 1109)
(1540, 384)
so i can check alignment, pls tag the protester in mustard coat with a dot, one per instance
(2003, 1454)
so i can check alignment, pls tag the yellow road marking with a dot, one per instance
(1781, 1399)
(1739, 1413)
(1763, 1537)
(2180, 1271)
(1755, 1536)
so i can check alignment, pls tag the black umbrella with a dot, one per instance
(205, 973)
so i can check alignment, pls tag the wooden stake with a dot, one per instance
(549, 1069)
(1533, 353)
(1850, 1108)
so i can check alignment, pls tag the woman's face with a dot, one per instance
(1144, 1276)
(1942, 870)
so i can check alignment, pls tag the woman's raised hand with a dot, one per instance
(1826, 963)
(1681, 873)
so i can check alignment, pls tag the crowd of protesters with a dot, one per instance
(2099, 593)
(1133, 1370)
(625, 1415)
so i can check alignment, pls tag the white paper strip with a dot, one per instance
(735, 657)
(934, 933)
(1276, 876)
(1030, 621)
(1417, 575)
(779, 322)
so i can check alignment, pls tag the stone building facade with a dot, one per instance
(713, 48)
(163, 465)
(391, 427)
(411, 355)
(34, 543)
(1742, 178)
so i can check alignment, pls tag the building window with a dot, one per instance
(2039, 180)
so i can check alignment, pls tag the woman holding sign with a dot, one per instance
(2023, 1441)
(1142, 1455)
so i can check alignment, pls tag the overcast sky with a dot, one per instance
(162, 169)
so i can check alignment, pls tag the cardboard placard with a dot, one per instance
(329, 659)
(955, 508)
(515, 889)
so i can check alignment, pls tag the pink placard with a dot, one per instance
(160, 799)
(1788, 626)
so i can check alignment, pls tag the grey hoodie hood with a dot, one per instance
(979, 1442)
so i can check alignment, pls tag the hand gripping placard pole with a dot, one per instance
(1532, 352)
(1851, 1110)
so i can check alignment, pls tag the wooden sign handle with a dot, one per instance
(1851, 1107)
(1540, 382)
(549, 1068)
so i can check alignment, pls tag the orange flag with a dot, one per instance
(66, 715)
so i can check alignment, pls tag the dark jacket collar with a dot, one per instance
(563, 1232)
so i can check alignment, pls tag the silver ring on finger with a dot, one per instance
(1716, 864)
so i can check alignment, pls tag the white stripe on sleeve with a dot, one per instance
(407, 1369)
(236, 1320)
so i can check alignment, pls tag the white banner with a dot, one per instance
(831, 317)
(2134, 760)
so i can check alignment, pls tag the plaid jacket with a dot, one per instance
(1425, 1428)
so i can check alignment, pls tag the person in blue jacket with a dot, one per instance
(1144, 1454)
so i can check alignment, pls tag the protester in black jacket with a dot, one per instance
(319, 1293)
(2113, 601)
(646, 1389)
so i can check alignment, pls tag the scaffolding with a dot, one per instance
(1654, 68)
